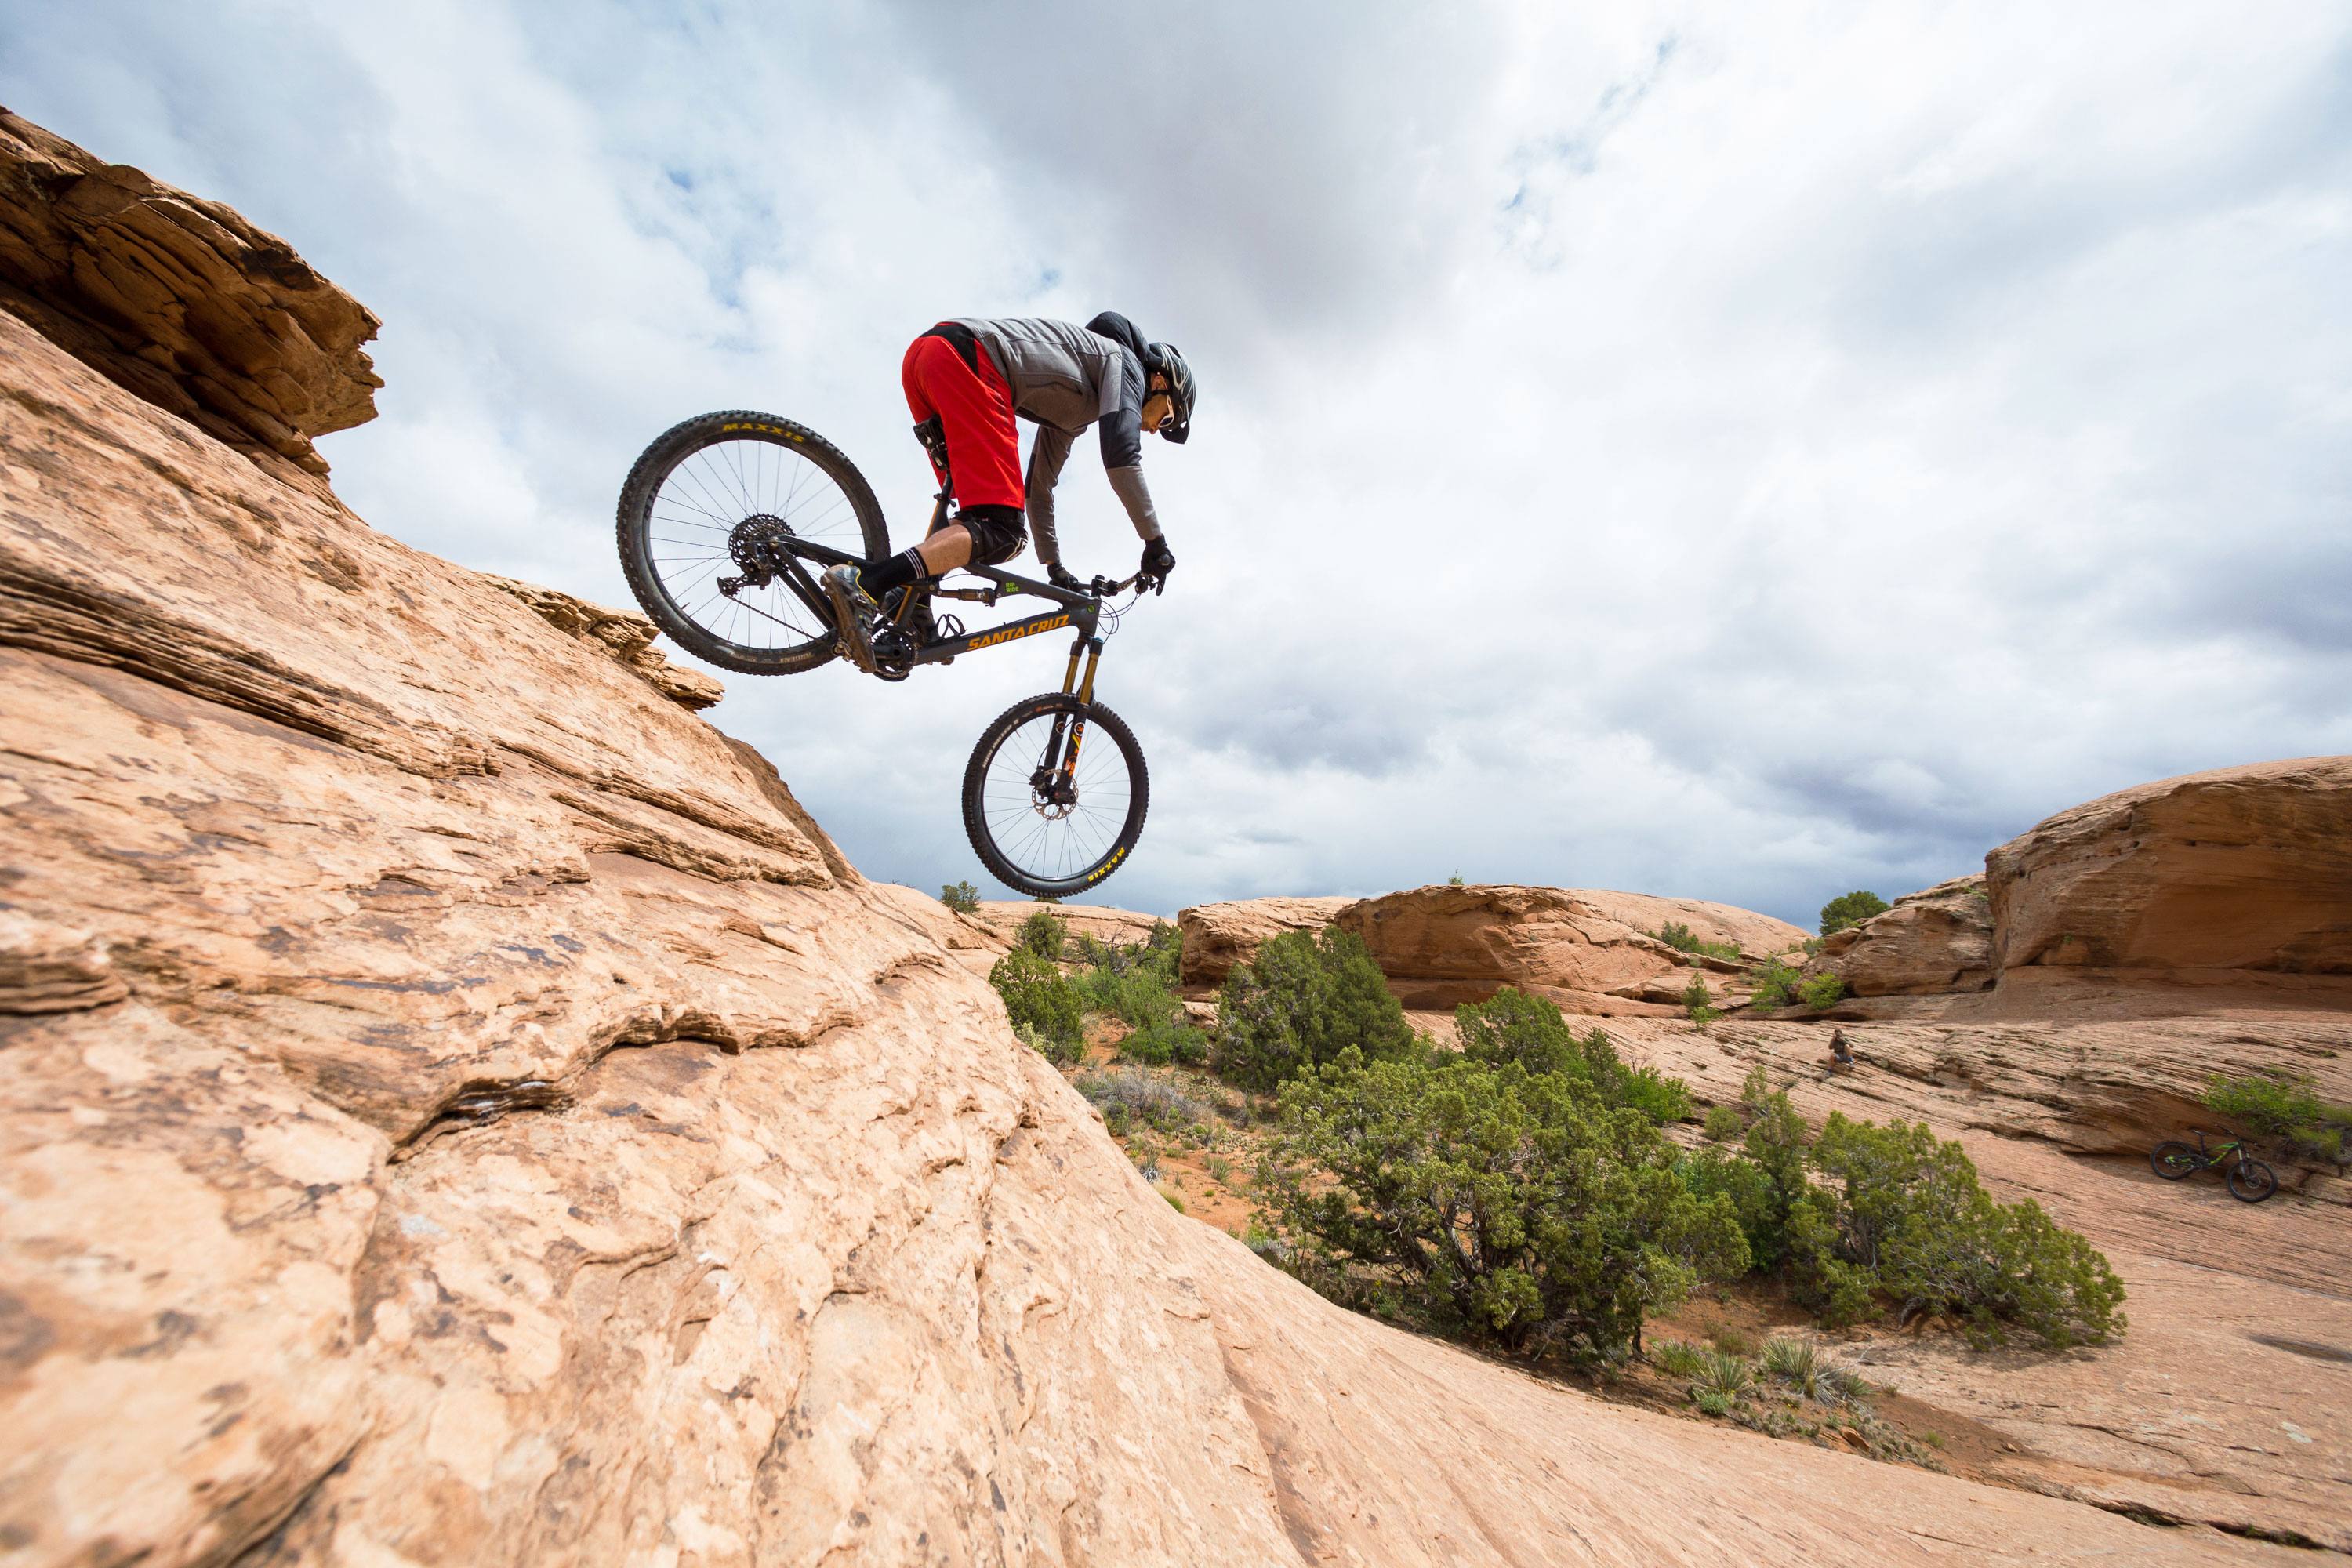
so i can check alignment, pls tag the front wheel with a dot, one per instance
(1054, 795)
(2174, 1160)
(2251, 1181)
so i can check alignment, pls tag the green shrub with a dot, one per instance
(1480, 1200)
(1036, 996)
(1682, 939)
(1775, 986)
(1044, 934)
(1730, 1341)
(2287, 1111)
(1723, 1123)
(1170, 1041)
(960, 896)
(1127, 1097)
(1174, 1202)
(1302, 1001)
(1455, 881)
(1219, 1169)
(1794, 1361)
(1698, 1001)
(1710, 1403)
(1851, 910)
(1821, 990)
(1677, 1358)
(1514, 1028)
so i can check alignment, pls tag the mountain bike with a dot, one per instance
(726, 525)
(2249, 1180)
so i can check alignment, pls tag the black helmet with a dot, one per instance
(1163, 359)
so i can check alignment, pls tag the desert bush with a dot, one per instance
(2286, 1110)
(1036, 994)
(1128, 1098)
(1480, 1200)
(1302, 1001)
(1166, 1043)
(1821, 990)
(1724, 1372)
(1711, 1403)
(1513, 1027)
(960, 896)
(1775, 986)
(1677, 1358)
(1698, 1001)
(1851, 910)
(1044, 934)
(1219, 1169)
(1173, 1200)
(1911, 1219)
(1723, 1123)
(1682, 939)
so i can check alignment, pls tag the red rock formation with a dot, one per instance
(1218, 937)
(179, 299)
(2237, 876)
(1935, 941)
(1590, 952)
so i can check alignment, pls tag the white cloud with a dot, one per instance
(1740, 451)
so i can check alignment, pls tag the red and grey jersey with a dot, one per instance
(1063, 379)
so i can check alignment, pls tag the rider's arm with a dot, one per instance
(1046, 455)
(1122, 453)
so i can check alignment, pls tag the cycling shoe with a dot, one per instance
(851, 608)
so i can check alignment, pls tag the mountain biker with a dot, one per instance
(966, 380)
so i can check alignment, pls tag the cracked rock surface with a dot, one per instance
(456, 1109)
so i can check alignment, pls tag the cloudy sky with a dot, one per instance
(1745, 451)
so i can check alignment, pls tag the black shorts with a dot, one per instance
(998, 533)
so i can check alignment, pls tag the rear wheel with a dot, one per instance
(2174, 1160)
(708, 522)
(2251, 1181)
(1039, 820)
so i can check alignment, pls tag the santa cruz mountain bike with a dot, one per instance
(726, 524)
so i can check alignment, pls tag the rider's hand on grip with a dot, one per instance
(1061, 577)
(1158, 561)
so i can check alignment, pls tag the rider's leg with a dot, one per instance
(946, 373)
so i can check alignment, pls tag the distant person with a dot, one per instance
(966, 380)
(1841, 1054)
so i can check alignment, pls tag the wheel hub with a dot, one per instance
(757, 544)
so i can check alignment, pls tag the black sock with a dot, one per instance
(880, 576)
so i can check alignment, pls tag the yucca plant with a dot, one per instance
(1726, 1376)
(1794, 1361)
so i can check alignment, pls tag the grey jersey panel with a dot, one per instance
(1065, 378)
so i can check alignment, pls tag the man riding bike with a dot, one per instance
(966, 380)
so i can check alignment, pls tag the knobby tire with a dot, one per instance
(1101, 722)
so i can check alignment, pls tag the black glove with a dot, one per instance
(1060, 575)
(1158, 561)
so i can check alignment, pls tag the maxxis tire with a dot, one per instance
(633, 535)
(2187, 1164)
(1099, 720)
(2251, 1181)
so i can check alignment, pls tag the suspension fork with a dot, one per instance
(1056, 760)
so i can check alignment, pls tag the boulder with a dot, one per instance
(1218, 937)
(2234, 877)
(1934, 941)
(179, 299)
(1591, 951)
(1121, 928)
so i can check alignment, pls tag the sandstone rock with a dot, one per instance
(1217, 937)
(179, 299)
(1590, 952)
(625, 635)
(486, 1123)
(2237, 876)
(1936, 940)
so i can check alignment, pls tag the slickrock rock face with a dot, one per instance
(623, 635)
(2220, 877)
(1934, 941)
(455, 1110)
(2230, 1401)
(179, 299)
(1218, 937)
(1590, 952)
